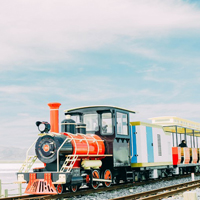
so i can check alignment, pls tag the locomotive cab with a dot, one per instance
(106, 121)
(112, 125)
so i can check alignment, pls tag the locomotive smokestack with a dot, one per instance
(54, 117)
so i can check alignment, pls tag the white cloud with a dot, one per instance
(24, 114)
(151, 69)
(161, 79)
(145, 52)
(13, 89)
(40, 32)
(94, 89)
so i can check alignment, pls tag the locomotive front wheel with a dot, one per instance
(95, 184)
(107, 175)
(73, 188)
(60, 188)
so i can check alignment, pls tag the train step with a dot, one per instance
(129, 175)
(69, 163)
(28, 163)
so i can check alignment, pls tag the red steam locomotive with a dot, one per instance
(99, 145)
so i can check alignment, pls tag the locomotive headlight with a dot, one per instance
(43, 127)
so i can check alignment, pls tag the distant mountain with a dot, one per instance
(12, 153)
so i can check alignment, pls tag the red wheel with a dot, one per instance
(59, 188)
(108, 176)
(73, 188)
(95, 184)
(87, 179)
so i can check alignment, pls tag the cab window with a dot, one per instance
(122, 123)
(106, 124)
(91, 121)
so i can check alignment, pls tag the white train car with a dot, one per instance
(151, 148)
(155, 151)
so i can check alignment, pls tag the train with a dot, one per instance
(101, 145)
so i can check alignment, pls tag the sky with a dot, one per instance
(136, 54)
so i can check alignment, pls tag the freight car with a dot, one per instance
(99, 145)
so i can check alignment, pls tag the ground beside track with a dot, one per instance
(180, 196)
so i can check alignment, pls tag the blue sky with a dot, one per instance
(140, 55)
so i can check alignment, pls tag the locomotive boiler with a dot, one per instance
(99, 145)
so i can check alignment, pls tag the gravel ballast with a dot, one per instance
(138, 189)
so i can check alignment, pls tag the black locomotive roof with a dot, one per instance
(94, 109)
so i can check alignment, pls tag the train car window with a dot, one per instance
(188, 142)
(106, 124)
(122, 123)
(174, 138)
(159, 145)
(91, 121)
(195, 141)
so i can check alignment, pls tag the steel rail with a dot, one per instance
(171, 193)
(18, 197)
(163, 192)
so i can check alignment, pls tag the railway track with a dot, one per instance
(86, 191)
(162, 192)
(81, 192)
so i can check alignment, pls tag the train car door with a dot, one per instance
(150, 151)
(133, 144)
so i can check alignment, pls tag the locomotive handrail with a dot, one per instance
(92, 139)
(132, 140)
(59, 151)
(28, 152)
(83, 155)
(96, 143)
(86, 142)
(74, 142)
